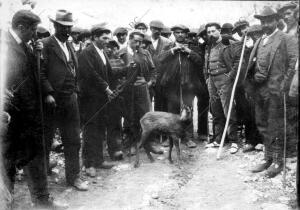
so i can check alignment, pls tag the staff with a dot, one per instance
(232, 98)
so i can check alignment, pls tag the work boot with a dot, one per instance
(49, 204)
(191, 144)
(248, 148)
(262, 166)
(234, 148)
(80, 185)
(274, 169)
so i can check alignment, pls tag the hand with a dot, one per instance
(50, 101)
(5, 117)
(175, 49)
(8, 95)
(140, 81)
(110, 94)
(38, 46)
(186, 49)
(150, 83)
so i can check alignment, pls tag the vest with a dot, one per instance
(214, 66)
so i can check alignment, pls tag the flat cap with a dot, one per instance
(166, 30)
(147, 38)
(202, 30)
(120, 30)
(254, 28)
(25, 17)
(182, 27)
(137, 24)
(42, 30)
(267, 12)
(99, 28)
(137, 32)
(113, 43)
(76, 30)
(239, 24)
(227, 25)
(289, 5)
(156, 24)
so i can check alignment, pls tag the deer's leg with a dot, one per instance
(177, 145)
(170, 149)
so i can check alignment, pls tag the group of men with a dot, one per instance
(89, 84)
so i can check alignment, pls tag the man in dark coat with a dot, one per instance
(59, 84)
(96, 84)
(220, 82)
(181, 78)
(24, 145)
(271, 68)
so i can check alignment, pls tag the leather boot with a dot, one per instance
(274, 170)
(261, 167)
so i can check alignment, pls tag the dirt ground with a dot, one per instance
(200, 182)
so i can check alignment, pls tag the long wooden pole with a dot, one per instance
(232, 98)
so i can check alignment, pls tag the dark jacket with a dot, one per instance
(282, 62)
(55, 65)
(181, 65)
(143, 58)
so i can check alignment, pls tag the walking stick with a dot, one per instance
(232, 98)
(38, 54)
(284, 141)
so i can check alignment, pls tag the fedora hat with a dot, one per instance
(63, 17)
(266, 12)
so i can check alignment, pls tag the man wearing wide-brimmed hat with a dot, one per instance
(59, 84)
(271, 68)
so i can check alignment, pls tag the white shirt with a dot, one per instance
(15, 36)
(122, 46)
(267, 37)
(154, 42)
(101, 54)
(130, 51)
(64, 48)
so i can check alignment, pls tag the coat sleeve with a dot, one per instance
(195, 58)
(292, 55)
(47, 88)
(87, 72)
(165, 54)
(152, 68)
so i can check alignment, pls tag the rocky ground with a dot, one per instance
(200, 182)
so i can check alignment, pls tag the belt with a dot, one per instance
(217, 71)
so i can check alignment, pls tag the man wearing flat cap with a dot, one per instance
(141, 26)
(290, 14)
(271, 68)
(240, 26)
(97, 83)
(137, 97)
(121, 34)
(23, 145)
(60, 88)
(220, 80)
(181, 78)
(166, 32)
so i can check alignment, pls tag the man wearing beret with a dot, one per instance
(24, 145)
(142, 76)
(220, 80)
(271, 68)
(141, 26)
(96, 83)
(121, 34)
(181, 78)
(59, 84)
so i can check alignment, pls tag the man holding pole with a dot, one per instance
(220, 80)
(270, 69)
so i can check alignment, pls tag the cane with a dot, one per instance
(232, 98)
(284, 141)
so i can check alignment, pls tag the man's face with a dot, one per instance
(121, 38)
(142, 29)
(180, 35)
(75, 37)
(242, 31)
(213, 34)
(136, 42)
(28, 33)
(255, 36)
(269, 24)
(155, 32)
(102, 41)
(288, 16)
(62, 32)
